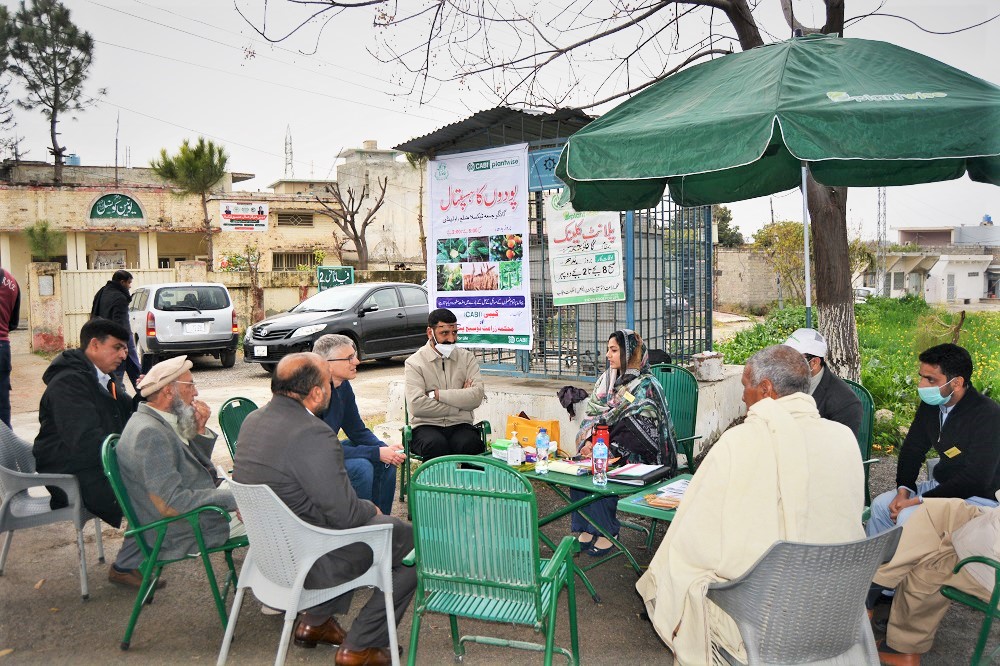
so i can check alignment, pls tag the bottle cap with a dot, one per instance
(541, 430)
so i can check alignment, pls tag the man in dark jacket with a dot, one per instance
(961, 424)
(10, 311)
(82, 405)
(111, 302)
(834, 398)
(300, 458)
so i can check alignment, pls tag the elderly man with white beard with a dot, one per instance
(165, 457)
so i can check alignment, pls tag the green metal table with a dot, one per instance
(636, 505)
(559, 483)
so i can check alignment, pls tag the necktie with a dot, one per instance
(112, 390)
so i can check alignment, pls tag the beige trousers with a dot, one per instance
(923, 563)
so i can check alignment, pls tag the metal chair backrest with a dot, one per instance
(475, 533)
(109, 459)
(801, 603)
(867, 430)
(231, 416)
(681, 390)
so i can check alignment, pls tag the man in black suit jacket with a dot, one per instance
(300, 458)
(834, 398)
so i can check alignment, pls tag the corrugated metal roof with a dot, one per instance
(498, 127)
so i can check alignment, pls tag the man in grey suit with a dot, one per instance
(165, 458)
(834, 398)
(300, 458)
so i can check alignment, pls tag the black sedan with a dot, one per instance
(383, 319)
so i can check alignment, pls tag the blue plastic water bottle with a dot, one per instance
(600, 457)
(542, 452)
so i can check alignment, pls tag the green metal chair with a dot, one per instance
(475, 535)
(990, 608)
(231, 417)
(865, 435)
(152, 565)
(404, 483)
(681, 390)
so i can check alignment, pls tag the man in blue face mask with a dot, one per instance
(961, 424)
(443, 387)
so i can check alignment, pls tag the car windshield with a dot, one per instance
(191, 298)
(334, 299)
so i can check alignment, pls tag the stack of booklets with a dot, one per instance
(637, 474)
(571, 467)
(669, 496)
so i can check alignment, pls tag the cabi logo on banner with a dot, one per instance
(477, 249)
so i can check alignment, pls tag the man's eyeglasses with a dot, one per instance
(346, 358)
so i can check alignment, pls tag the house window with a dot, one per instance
(897, 280)
(303, 219)
(290, 261)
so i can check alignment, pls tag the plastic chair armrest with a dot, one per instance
(871, 461)
(411, 558)
(567, 547)
(18, 481)
(190, 516)
(981, 559)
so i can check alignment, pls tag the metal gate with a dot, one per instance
(79, 287)
(668, 286)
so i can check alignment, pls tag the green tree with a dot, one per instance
(780, 243)
(195, 170)
(729, 233)
(43, 240)
(52, 58)
(6, 111)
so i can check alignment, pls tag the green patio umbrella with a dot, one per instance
(858, 112)
(854, 112)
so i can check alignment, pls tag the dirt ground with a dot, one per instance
(44, 621)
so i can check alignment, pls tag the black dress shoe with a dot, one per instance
(328, 633)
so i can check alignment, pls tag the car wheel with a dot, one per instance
(228, 358)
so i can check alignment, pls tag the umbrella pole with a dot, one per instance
(805, 243)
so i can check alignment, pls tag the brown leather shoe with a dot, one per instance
(131, 578)
(890, 657)
(373, 656)
(328, 633)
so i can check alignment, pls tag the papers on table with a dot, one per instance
(571, 467)
(633, 471)
(674, 489)
(637, 474)
(667, 497)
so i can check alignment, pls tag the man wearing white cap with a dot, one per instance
(834, 398)
(165, 457)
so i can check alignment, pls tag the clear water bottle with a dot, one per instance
(600, 460)
(542, 452)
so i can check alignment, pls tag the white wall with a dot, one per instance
(972, 287)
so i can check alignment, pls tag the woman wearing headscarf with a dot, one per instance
(630, 401)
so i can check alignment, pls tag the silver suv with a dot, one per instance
(194, 318)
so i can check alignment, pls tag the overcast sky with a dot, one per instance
(181, 68)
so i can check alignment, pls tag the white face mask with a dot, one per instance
(444, 349)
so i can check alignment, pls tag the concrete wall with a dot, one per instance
(719, 404)
(45, 309)
(743, 277)
(970, 278)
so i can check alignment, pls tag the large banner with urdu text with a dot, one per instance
(477, 249)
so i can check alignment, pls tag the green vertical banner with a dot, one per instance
(333, 276)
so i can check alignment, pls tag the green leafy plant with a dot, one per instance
(451, 250)
(449, 277)
(479, 249)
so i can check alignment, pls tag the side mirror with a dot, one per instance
(369, 308)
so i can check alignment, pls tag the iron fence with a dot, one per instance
(668, 283)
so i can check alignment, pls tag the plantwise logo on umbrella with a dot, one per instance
(841, 96)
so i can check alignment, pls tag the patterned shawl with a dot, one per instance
(610, 399)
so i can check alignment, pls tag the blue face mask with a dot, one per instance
(932, 394)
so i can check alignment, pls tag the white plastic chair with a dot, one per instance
(805, 603)
(19, 510)
(283, 549)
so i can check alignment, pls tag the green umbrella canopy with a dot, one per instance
(860, 112)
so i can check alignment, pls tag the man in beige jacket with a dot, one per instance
(937, 535)
(443, 386)
(784, 474)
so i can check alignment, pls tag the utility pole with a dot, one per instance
(880, 247)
